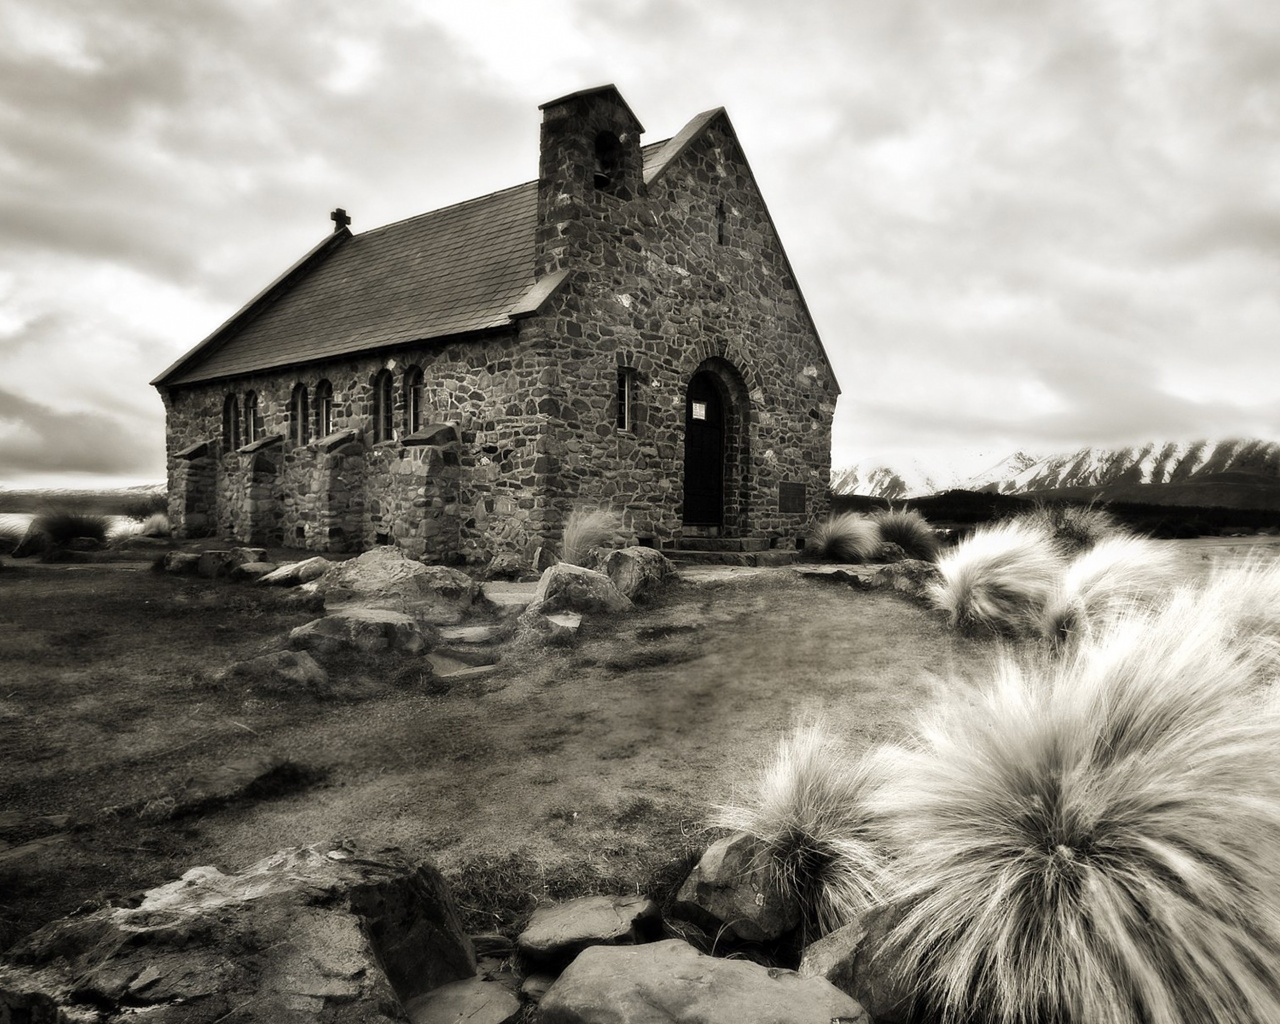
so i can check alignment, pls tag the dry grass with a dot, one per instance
(845, 537)
(910, 531)
(1102, 581)
(1092, 841)
(999, 579)
(588, 529)
(809, 808)
(62, 525)
(1074, 528)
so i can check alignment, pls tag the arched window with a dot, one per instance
(252, 418)
(383, 412)
(324, 409)
(413, 399)
(230, 423)
(299, 416)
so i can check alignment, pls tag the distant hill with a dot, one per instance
(1230, 474)
(116, 501)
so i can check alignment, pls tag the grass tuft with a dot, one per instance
(846, 537)
(588, 529)
(1074, 528)
(910, 531)
(62, 525)
(999, 579)
(809, 809)
(1092, 840)
(1104, 580)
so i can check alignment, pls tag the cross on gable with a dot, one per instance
(339, 218)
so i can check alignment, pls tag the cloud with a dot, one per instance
(37, 439)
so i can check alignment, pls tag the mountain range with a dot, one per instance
(1111, 472)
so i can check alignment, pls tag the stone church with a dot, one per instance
(624, 332)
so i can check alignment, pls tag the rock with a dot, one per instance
(83, 544)
(470, 1001)
(214, 563)
(364, 629)
(832, 956)
(292, 574)
(34, 542)
(890, 552)
(184, 563)
(560, 628)
(250, 572)
(566, 587)
(556, 934)
(731, 885)
(670, 982)
(640, 574)
(508, 598)
(911, 576)
(242, 556)
(220, 784)
(544, 559)
(871, 978)
(536, 985)
(387, 578)
(324, 932)
(282, 671)
(506, 565)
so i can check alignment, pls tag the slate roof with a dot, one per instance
(452, 271)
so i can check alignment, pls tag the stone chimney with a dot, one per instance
(589, 169)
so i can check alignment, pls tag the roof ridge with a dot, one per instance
(442, 209)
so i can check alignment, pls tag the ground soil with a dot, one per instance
(566, 771)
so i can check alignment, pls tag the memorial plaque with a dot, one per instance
(790, 497)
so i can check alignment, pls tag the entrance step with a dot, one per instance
(687, 556)
(723, 543)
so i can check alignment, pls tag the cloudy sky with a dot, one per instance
(1019, 224)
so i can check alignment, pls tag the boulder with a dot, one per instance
(324, 932)
(566, 587)
(222, 783)
(731, 886)
(293, 574)
(184, 563)
(214, 563)
(873, 978)
(640, 574)
(556, 934)
(560, 628)
(670, 982)
(832, 956)
(476, 1000)
(387, 578)
(506, 565)
(281, 672)
(364, 629)
(241, 556)
(249, 572)
(911, 576)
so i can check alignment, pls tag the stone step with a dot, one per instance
(683, 556)
(722, 544)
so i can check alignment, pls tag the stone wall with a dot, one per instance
(680, 274)
(687, 274)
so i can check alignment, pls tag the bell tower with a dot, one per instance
(589, 168)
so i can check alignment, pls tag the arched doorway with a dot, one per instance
(704, 451)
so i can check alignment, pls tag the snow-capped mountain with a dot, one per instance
(1022, 472)
(1154, 463)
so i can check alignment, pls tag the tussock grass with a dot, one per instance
(846, 537)
(1075, 528)
(1104, 580)
(999, 578)
(1092, 840)
(154, 525)
(910, 531)
(62, 525)
(809, 809)
(588, 529)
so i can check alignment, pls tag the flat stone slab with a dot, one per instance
(670, 982)
(482, 634)
(510, 597)
(470, 1001)
(558, 933)
(444, 667)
